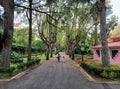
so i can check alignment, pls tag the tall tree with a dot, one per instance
(8, 6)
(105, 50)
(47, 33)
(30, 30)
(77, 20)
(1, 29)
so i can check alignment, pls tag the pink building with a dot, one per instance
(114, 50)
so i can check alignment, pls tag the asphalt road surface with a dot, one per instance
(55, 75)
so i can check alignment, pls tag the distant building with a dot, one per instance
(114, 50)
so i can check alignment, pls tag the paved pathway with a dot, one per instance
(55, 75)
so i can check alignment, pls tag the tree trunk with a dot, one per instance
(72, 54)
(30, 31)
(82, 57)
(47, 53)
(8, 32)
(67, 50)
(105, 49)
(51, 54)
(96, 36)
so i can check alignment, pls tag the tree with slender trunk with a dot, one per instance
(105, 50)
(30, 30)
(8, 6)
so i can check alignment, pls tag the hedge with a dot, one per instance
(110, 73)
(6, 70)
(21, 66)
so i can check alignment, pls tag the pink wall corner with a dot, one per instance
(117, 58)
(96, 57)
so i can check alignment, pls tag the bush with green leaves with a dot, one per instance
(110, 73)
(29, 64)
(15, 55)
(18, 67)
(86, 49)
(5, 70)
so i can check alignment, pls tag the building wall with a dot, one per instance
(116, 59)
(96, 57)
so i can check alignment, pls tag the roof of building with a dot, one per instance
(114, 44)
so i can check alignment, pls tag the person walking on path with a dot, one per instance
(63, 57)
(58, 57)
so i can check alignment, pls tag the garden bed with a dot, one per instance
(98, 71)
(17, 68)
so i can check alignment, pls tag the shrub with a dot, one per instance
(17, 61)
(21, 66)
(110, 73)
(14, 69)
(104, 74)
(14, 55)
(5, 70)
(29, 64)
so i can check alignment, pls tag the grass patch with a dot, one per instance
(13, 65)
(42, 56)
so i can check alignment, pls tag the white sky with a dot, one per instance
(116, 8)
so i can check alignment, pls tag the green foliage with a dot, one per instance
(19, 48)
(42, 56)
(14, 55)
(111, 23)
(97, 69)
(4, 70)
(15, 58)
(29, 64)
(14, 68)
(86, 49)
(77, 58)
(37, 44)
(104, 74)
(21, 37)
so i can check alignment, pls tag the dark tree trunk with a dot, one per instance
(105, 49)
(8, 32)
(51, 53)
(30, 31)
(47, 53)
(72, 54)
(82, 58)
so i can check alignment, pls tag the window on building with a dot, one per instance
(114, 53)
(98, 52)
